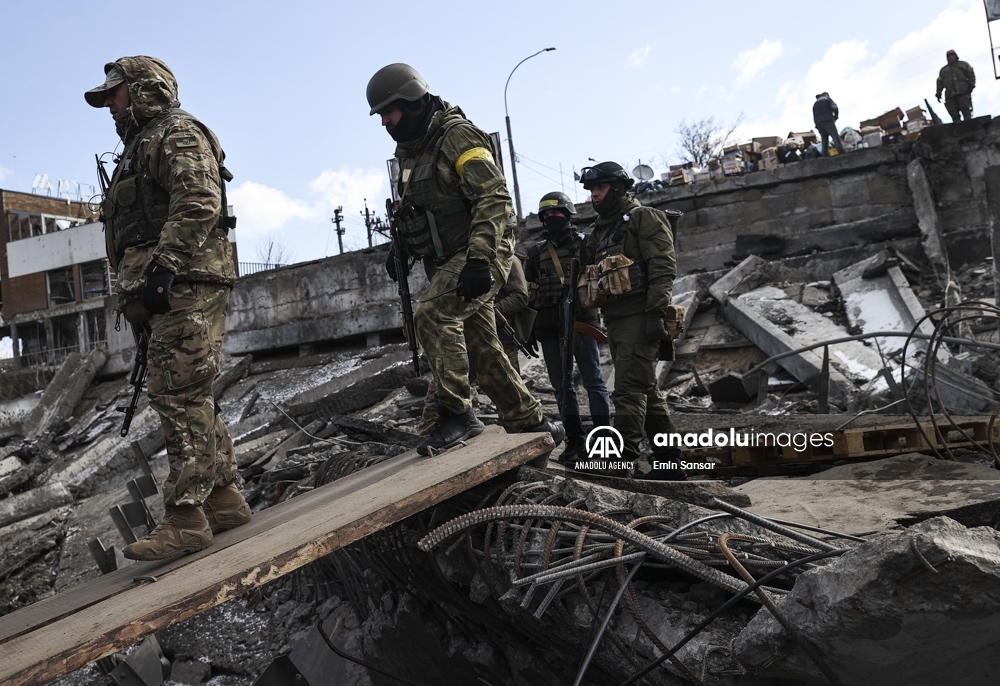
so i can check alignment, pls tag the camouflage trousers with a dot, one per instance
(639, 406)
(959, 106)
(456, 335)
(184, 351)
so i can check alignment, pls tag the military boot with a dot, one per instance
(450, 429)
(183, 529)
(226, 508)
(554, 429)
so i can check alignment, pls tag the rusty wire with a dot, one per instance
(944, 320)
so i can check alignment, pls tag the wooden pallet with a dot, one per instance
(62, 633)
(861, 443)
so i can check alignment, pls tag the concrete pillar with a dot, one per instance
(82, 338)
(16, 343)
(992, 178)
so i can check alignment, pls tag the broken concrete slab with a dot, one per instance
(917, 607)
(932, 234)
(873, 496)
(64, 392)
(35, 501)
(883, 303)
(778, 324)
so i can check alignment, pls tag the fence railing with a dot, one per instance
(247, 268)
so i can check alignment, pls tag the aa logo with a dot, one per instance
(604, 443)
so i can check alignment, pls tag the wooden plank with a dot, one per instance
(275, 542)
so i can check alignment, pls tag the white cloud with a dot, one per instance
(638, 56)
(701, 92)
(749, 63)
(865, 84)
(262, 209)
(4, 173)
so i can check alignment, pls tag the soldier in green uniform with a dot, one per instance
(166, 235)
(454, 214)
(957, 79)
(547, 269)
(636, 319)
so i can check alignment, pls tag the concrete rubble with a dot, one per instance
(317, 385)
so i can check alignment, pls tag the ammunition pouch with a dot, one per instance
(532, 292)
(589, 295)
(673, 320)
(618, 275)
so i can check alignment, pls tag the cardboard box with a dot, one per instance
(915, 125)
(730, 149)
(765, 142)
(681, 176)
(915, 114)
(768, 163)
(700, 176)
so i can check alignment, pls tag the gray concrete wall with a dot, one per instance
(337, 297)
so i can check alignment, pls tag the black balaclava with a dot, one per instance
(613, 202)
(557, 226)
(416, 118)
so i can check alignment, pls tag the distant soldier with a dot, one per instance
(547, 270)
(166, 233)
(633, 247)
(957, 79)
(825, 116)
(454, 213)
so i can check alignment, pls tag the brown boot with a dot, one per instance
(226, 508)
(183, 529)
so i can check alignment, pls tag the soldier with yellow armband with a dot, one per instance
(454, 215)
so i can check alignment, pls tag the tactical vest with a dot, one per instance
(140, 206)
(614, 244)
(439, 224)
(551, 289)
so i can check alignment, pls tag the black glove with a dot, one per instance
(475, 280)
(939, 97)
(532, 345)
(156, 292)
(390, 265)
(655, 331)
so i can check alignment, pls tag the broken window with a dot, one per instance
(96, 283)
(61, 290)
(65, 336)
(25, 224)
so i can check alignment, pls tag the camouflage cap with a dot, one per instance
(115, 75)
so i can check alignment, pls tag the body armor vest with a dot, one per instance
(614, 244)
(140, 206)
(432, 223)
(551, 289)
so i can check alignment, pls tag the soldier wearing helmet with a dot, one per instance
(547, 268)
(635, 309)
(454, 214)
(957, 79)
(166, 228)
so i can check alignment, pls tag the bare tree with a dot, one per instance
(703, 139)
(272, 251)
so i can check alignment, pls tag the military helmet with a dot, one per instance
(395, 82)
(556, 201)
(605, 172)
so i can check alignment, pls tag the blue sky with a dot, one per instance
(282, 84)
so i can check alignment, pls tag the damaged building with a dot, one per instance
(846, 300)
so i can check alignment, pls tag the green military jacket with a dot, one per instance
(467, 164)
(646, 239)
(183, 157)
(957, 79)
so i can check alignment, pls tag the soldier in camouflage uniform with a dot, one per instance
(957, 79)
(636, 320)
(166, 235)
(454, 213)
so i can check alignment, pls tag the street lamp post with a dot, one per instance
(510, 139)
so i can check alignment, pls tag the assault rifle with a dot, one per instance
(402, 274)
(138, 378)
(509, 330)
(567, 314)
